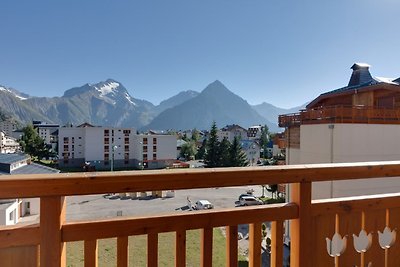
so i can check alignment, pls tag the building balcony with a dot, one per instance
(333, 232)
(341, 114)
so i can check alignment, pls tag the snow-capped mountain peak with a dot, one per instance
(14, 92)
(106, 87)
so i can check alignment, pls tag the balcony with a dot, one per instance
(313, 224)
(341, 114)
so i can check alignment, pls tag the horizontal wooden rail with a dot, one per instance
(355, 204)
(19, 235)
(75, 231)
(23, 186)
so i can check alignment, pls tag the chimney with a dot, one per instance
(360, 74)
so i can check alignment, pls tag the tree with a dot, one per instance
(264, 139)
(273, 188)
(237, 156)
(188, 150)
(211, 158)
(33, 145)
(224, 153)
(195, 135)
(202, 150)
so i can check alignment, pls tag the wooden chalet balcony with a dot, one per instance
(342, 114)
(312, 222)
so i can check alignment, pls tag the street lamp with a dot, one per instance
(112, 156)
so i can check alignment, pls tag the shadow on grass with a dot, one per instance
(243, 264)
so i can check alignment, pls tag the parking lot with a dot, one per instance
(102, 206)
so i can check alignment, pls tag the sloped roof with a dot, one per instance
(34, 168)
(360, 79)
(12, 158)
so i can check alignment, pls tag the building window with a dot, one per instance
(127, 132)
(154, 156)
(155, 141)
(106, 140)
(126, 148)
(11, 216)
(65, 147)
(107, 132)
(73, 147)
(145, 141)
(66, 140)
(106, 157)
(106, 149)
(73, 140)
(154, 148)
(144, 156)
(144, 149)
(126, 141)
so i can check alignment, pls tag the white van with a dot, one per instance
(203, 205)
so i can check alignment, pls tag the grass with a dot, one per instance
(138, 250)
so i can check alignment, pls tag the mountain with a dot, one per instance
(214, 103)
(175, 100)
(13, 104)
(271, 112)
(105, 103)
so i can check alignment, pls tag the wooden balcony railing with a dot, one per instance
(312, 223)
(342, 114)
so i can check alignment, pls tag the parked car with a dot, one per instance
(250, 201)
(203, 205)
(244, 195)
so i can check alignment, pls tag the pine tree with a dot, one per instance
(212, 156)
(238, 157)
(202, 150)
(264, 138)
(224, 153)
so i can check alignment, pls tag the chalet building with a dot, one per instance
(11, 210)
(231, 131)
(355, 123)
(108, 147)
(8, 144)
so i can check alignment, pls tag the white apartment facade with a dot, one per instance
(108, 147)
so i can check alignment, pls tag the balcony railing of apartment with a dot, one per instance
(322, 232)
(342, 114)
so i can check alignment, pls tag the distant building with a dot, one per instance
(8, 144)
(8, 126)
(12, 209)
(254, 132)
(48, 132)
(252, 150)
(121, 147)
(231, 131)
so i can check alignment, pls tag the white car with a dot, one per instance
(203, 205)
(249, 201)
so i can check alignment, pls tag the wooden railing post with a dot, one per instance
(52, 217)
(232, 246)
(300, 229)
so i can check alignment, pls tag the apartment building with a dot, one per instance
(8, 126)
(48, 132)
(231, 131)
(355, 123)
(108, 148)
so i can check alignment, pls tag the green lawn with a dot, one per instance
(138, 246)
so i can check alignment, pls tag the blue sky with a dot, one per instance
(281, 52)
